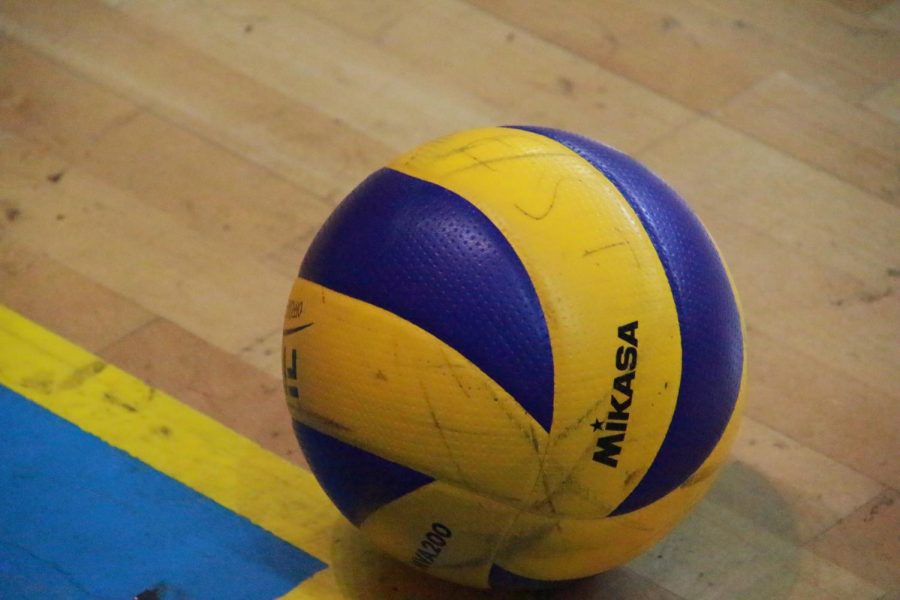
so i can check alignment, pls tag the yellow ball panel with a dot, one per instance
(376, 381)
(564, 548)
(406, 530)
(594, 269)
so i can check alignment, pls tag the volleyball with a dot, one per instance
(514, 357)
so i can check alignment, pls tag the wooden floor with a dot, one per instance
(164, 164)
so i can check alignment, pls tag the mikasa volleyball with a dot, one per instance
(513, 357)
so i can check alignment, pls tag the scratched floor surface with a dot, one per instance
(163, 166)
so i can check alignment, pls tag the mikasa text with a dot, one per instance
(608, 444)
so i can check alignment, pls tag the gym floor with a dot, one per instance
(164, 165)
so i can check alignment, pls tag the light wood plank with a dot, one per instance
(527, 79)
(254, 212)
(798, 475)
(262, 351)
(57, 297)
(853, 144)
(262, 40)
(866, 542)
(203, 186)
(716, 553)
(138, 251)
(861, 6)
(692, 53)
(196, 92)
(888, 15)
(886, 101)
(41, 101)
(220, 384)
(855, 41)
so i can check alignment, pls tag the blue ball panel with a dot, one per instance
(429, 256)
(712, 346)
(501, 579)
(358, 482)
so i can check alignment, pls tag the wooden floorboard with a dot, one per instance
(164, 166)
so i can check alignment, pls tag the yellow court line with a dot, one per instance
(170, 437)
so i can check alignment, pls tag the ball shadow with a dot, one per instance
(738, 542)
(363, 572)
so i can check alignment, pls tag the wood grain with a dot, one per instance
(60, 298)
(886, 101)
(696, 53)
(845, 140)
(862, 6)
(164, 166)
(866, 541)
